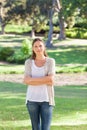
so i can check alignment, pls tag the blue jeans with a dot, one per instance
(40, 115)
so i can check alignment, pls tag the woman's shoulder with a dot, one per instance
(28, 61)
(49, 59)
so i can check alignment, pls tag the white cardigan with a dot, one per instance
(49, 69)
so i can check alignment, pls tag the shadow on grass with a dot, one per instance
(69, 54)
(13, 41)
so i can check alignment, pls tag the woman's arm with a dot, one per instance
(39, 81)
(49, 79)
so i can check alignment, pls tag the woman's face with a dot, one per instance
(38, 47)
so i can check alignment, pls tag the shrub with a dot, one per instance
(77, 33)
(21, 54)
(81, 24)
(5, 52)
(26, 47)
(19, 57)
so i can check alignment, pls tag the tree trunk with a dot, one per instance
(2, 26)
(3, 29)
(33, 33)
(51, 12)
(61, 26)
(49, 41)
(1, 19)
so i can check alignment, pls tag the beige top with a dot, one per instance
(49, 67)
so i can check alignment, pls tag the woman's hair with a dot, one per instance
(33, 56)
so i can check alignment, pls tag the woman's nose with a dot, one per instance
(38, 48)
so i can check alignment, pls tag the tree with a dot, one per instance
(56, 6)
(82, 6)
(59, 9)
(51, 12)
(1, 8)
(13, 11)
(67, 11)
(35, 12)
(2, 13)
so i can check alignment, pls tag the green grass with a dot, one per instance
(11, 69)
(19, 29)
(70, 111)
(19, 69)
(11, 40)
(69, 55)
(68, 58)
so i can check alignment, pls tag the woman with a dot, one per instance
(39, 76)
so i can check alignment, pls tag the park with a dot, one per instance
(69, 49)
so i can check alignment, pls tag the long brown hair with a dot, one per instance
(33, 56)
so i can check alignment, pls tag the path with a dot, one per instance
(60, 79)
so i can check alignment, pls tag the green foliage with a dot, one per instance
(76, 32)
(26, 47)
(80, 33)
(21, 54)
(6, 52)
(19, 29)
(15, 11)
(70, 21)
(19, 57)
(16, 55)
(56, 29)
(37, 12)
(82, 24)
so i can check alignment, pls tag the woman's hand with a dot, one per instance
(27, 79)
(49, 80)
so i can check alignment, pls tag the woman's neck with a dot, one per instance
(40, 61)
(42, 57)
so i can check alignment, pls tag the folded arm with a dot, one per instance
(49, 80)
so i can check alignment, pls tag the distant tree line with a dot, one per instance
(39, 13)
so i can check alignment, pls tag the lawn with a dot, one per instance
(11, 69)
(72, 58)
(70, 111)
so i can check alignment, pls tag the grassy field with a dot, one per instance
(11, 69)
(70, 58)
(70, 112)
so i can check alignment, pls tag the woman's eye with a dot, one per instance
(40, 46)
(35, 46)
